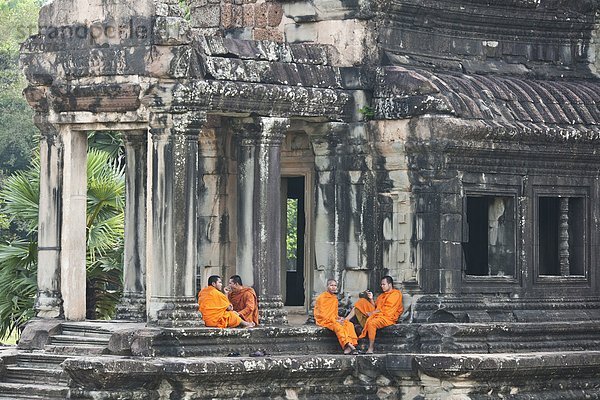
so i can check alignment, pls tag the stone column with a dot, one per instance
(174, 218)
(331, 227)
(73, 230)
(48, 301)
(259, 212)
(563, 240)
(133, 303)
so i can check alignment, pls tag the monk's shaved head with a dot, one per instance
(213, 279)
(388, 279)
(330, 280)
(236, 279)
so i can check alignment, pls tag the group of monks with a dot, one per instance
(237, 306)
(371, 314)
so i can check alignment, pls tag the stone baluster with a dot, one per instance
(173, 243)
(73, 230)
(133, 303)
(48, 301)
(563, 241)
(259, 212)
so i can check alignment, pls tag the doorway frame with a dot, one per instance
(309, 262)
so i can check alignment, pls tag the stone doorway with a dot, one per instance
(294, 240)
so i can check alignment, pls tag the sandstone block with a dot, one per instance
(206, 17)
(261, 15)
(274, 14)
(248, 15)
(268, 34)
(227, 16)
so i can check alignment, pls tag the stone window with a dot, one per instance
(560, 235)
(490, 234)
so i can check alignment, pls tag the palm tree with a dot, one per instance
(18, 259)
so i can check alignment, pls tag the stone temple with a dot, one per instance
(450, 144)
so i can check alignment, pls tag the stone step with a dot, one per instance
(85, 330)
(30, 375)
(75, 339)
(32, 391)
(75, 349)
(40, 360)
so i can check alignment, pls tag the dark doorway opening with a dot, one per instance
(294, 242)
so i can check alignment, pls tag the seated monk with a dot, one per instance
(388, 308)
(243, 299)
(216, 310)
(326, 315)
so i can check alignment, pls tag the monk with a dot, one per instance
(326, 315)
(388, 308)
(216, 310)
(243, 299)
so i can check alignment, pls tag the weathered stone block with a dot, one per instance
(296, 33)
(248, 17)
(227, 15)
(37, 333)
(260, 15)
(274, 14)
(207, 17)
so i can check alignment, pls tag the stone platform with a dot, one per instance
(108, 360)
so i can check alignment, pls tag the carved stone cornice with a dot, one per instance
(259, 99)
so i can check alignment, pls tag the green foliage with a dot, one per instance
(185, 7)
(367, 112)
(291, 240)
(18, 285)
(18, 20)
(105, 216)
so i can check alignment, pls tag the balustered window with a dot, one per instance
(561, 236)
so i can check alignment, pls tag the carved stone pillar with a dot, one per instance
(174, 218)
(259, 213)
(330, 226)
(48, 301)
(563, 240)
(133, 303)
(73, 230)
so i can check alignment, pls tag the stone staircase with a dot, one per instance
(79, 339)
(34, 375)
(38, 374)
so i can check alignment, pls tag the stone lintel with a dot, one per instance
(96, 98)
(259, 99)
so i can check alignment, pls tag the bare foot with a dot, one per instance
(245, 324)
(349, 348)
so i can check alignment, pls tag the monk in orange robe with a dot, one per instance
(243, 299)
(361, 309)
(326, 315)
(216, 309)
(388, 308)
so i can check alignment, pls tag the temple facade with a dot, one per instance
(452, 145)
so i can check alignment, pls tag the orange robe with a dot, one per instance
(213, 306)
(390, 307)
(245, 303)
(364, 306)
(326, 315)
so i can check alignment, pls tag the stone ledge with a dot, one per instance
(339, 377)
